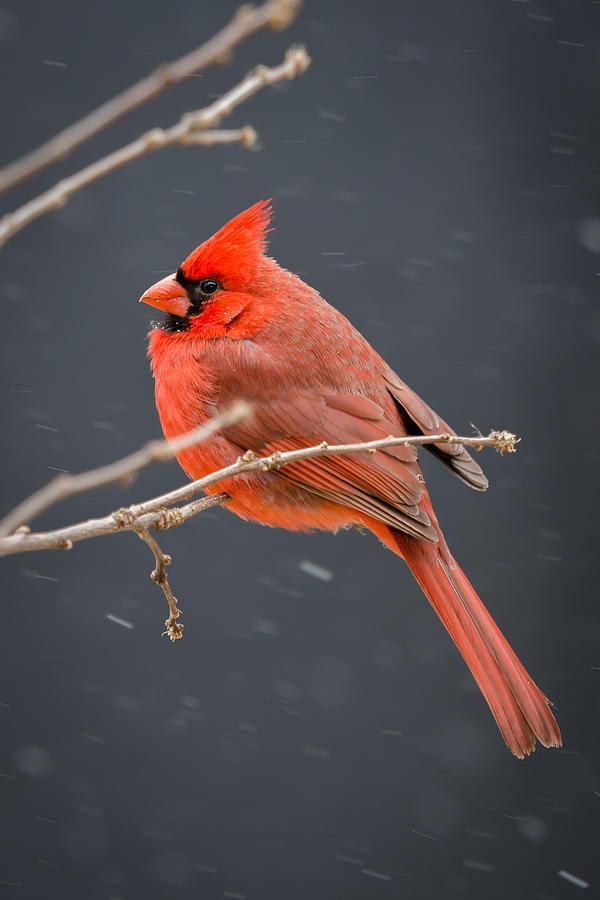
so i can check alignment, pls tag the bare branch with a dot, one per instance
(192, 128)
(275, 14)
(154, 513)
(120, 520)
(159, 512)
(159, 575)
(123, 470)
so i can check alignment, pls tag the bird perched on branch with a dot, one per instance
(237, 325)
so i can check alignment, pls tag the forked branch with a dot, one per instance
(192, 128)
(156, 512)
(274, 14)
(162, 513)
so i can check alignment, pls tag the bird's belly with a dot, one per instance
(296, 511)
(268, 498)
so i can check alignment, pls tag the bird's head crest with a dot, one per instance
(234, 251)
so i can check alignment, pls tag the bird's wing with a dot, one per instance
(421, 419)
(386, 485)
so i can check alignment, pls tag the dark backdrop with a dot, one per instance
(435, 175)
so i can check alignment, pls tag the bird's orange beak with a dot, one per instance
(168, 295)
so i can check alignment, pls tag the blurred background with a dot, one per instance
(435, 175)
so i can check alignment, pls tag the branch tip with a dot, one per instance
(298, 60)
(506, 441)
(248, 136)
(283, 14)
(174, 629)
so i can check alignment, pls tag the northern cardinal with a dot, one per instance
(237, 325)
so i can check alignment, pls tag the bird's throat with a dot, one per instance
(172, 324)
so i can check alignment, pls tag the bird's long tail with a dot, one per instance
(519, 707)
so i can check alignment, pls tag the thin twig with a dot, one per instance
(159, 575)
(155, 512)
(123, 470)
(191, 128)
(275, 14)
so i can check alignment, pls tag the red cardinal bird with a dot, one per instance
(237, 325)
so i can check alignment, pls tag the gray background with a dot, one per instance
(449, 151)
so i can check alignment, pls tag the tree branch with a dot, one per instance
(160, 512)
(192, 128)
(275, 14)
(154, 513)
(123, 470)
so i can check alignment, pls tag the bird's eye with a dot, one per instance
(209, 286)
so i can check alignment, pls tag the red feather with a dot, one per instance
(231, 255)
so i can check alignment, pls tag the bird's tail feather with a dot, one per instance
(519, 707)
